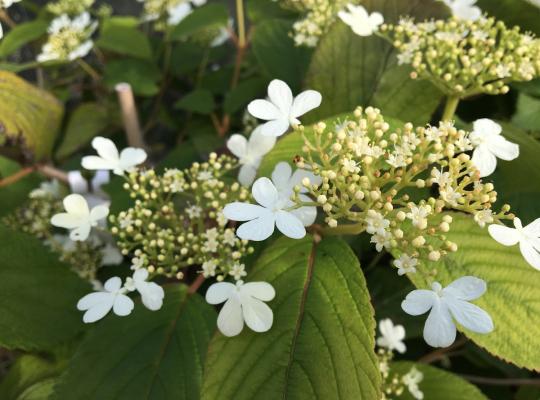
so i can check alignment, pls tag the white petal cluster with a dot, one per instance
(528, 238)
(282, 109)
(411, 379)
(244, 302)
(361, 22)
(110, 159)
(406, 264)
(275, 206)
(250, 153)
(464, 9)
(391, 336)
(446, 305)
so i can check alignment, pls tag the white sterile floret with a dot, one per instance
(392, 336)
(243, 302)
(406, 264)
(449, 304)
(151, 293)
(488, 145)
(282, 110)
(250, 153)
(275, 206)
(91, 190)
(178, 12)
(98, 304)
(464, 9)
(78, 218)
(411, 379)
(528, 238)
(361, 22)
(110, 159)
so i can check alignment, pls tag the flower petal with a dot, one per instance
(123, 305)
(258, 315)
(502, 148)
(466, 288)
(439, 330)
(418, 302)
(97, 305)
(77, 184)
(97, 163)
(260, 290)
(243, 211)
(140, 275)
(280, 94)
(281, 176)
(76, 204)
(151, 295)
(265, 193)
(105, 148)
(81, 233)
(531, 255)
(484, 160)
(263, 109)
(130, 157)
(237, 144)
(258, 229)
(99, 212)
(275, 128)
(376, 19)
(290, 225)
(307, 215)
(260, 144)
(219, 292)
(247, 175)
(470, 316)
(113, 284)
(299, 176)
(230, 321)
(503, 234)
(305, 102)
(486, 127)
(65, 220)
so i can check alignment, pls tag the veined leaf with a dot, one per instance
(321, 345)
(21, 35)
(120, 35)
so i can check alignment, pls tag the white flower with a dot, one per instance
(418, 215)
(381, 239)
(450, 195)
(92, 191)
(392, 336)
(447, 304)
(411, 379)
(376, 223)
(464, 9)
(109, 159)
(489, 144)
(238, 271)
(194, 211)
(528, 238)
(283, 110)
(250, 153)
(243, 302)
(151, 293)
(47, 189)
(274, 197)
(440, 177)
(79, 218)
(360, 21)
(98, 304)
(406, 264)
(110, 254)
(483, 217)
(178, 12)
(209, 268)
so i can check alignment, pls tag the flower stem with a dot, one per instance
(88, 69)
(350, 229)
(241, 21)
(450, 108)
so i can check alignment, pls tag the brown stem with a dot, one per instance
(4, 17)
(502, 381)
(52, 172)
(17, 176)
(196, 284)
(441, 353)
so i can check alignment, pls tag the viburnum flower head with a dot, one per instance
(361, 22)
(243, 302)
(528, 238)
(464, 9)
(274, 209)
(488, 145)
(98, 304)
(250, 153)
(110, 159)
(78, 218)
(282, 110)
(151, 293)
(446, 305)
(391, 336)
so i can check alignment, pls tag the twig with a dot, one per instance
(129, 115)
(441, 353)
(502, 381)
(17, 176)
(196, 284)
(52, 172)
(4, 17)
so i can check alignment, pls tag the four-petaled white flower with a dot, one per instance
(418, 215)
(392, 336)
(528, 238)
(483, 217)
(464, 9)
(376, 223)
(406, 264)
(78, 217)
(489, 144)
(250, 153)
(243, 302)
(447, 305)
(151, 293)
(98, 304)
(110, 159)
(275, 206)
(361, 22)
(282, 110)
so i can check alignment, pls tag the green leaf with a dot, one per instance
(21, 35)
(143, 76)
(514, 12)
(149, 354)
(528, 113)
(262, 10)
(352, 71)
(277, 54)
(120, 35)
(437, 383)
(87, 121)
(199, 101)
(240, 96)
(321, 345)
(513, 291)
(13, 195)
(30, 118)
(208, 16)
(38, 295)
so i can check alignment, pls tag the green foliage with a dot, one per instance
(30, 118)
(38, 295)
(513, 294)
(514, 12)
(437, 383)
(120, 35)
(528, 113)
(239, 97)
(13, 195)
(150, 354)
(321, 344)
(199, 101)
(21, 35)
(260, 10)
(143, 76)
(354, 71)
(202, 18)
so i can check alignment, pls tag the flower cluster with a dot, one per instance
(69, 7)
(69, 39)
(168, 12)
(177, 221)
(465, 58)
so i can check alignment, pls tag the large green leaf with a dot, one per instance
(202, 18)
(514, 12)
(30, 118)
(350, 70)
(147, 355)
(21, 35)
(11, 196)
(321, 345)
(528, 113)
(437, 383)
(120, 35)
(38, 295)
(513, 294)
(143, 76)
